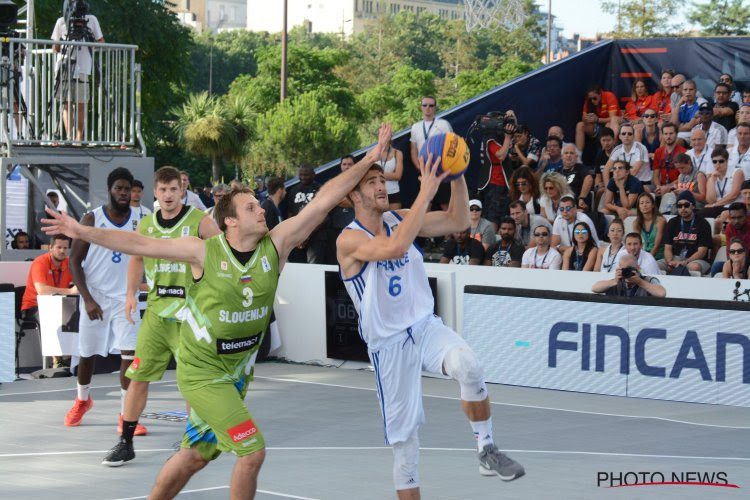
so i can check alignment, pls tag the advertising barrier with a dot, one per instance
(670, 349)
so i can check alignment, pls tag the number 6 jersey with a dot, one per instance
(389, 295)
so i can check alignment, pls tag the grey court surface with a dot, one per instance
(324, 435)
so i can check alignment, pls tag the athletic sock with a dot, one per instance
(482, 433)
(128, 429)
(123, 393)
(83, 391)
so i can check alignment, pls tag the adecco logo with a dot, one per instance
(243, 431)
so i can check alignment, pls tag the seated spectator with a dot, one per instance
(661, 100)
(739, 159)
(525, 149)
(541, 255)
(698, 153)
(722, 187)
(600, 109)
(525, 222)
(622, 191)
(687, 239)
(554, 187)
(392, 162)
(650, 224)
(462, 250)
(481, 229)
(725, 110)
(648, 133)
(638, 103)
(736, 265)
(685, 113)
(607, 255)
(677, 82)
(607, 143)
(21, 241)
(507, 252)
(743, 115)
(551, 159)
(634, 153)
(525, 187)
(582, 255)
(628, 282)
(716, 135)
(664, 169)
(734, 94)
(562, 229)
(690, 179)
(745, 98)
(737, 228)
(578, 177)
(49, 275)
(634, 246)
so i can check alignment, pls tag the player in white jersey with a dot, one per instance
(384, 273)
(101, 277)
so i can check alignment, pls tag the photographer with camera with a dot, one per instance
(629, 282)
(75, 63)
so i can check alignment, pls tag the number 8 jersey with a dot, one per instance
(389, 295)
(107, 271)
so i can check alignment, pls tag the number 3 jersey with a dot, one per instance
(226, 313)
(106, 270)
(389, 295)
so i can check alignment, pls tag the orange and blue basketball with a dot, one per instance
(453, 151)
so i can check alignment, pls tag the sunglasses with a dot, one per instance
(686, 204)
(522, 183)
(621, 167)
(649, 115)
(734, 251)
(719, 161)
(549, 188)
(428, 105)
(541, 235)
(566, 209)
(581, 231)
(626, 133)
(475, 209)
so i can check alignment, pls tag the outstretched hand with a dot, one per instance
(60, 223)
(430, 176)
(384, 135)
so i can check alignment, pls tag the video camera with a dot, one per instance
(75, 19)
(495, 123)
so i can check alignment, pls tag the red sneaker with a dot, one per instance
(75, 415)
(139, 429)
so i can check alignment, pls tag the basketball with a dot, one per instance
(453, 151)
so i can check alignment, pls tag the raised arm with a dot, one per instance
(291, 232)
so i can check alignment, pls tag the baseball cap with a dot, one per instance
(475, 203)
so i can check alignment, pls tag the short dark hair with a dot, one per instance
(720, 151)
(743, 124)
(738, 206)
(745, 185)
(522, 128)
(434, 99)
(345, 157)
(627, 165)
(682, 158)
(607, 132)
(507, 220)
(225, 207)
(306, 166)
(517, 204)
(668, 125)
(120, 173)
(166, 174)
(634, 235)
(555, 139)
(136, 184)
(274, 184)
(722, 85)
(594, 87)
(55, 237)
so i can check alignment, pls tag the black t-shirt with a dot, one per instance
(472, 249)
(273, 215)
(632, 186)
(299, 196)
(687, 237)
(341, 217)
(601, 159)
(501, 255)
(575, 177)
(728, 122)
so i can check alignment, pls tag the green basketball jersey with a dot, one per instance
(226, 313)
(168, 281)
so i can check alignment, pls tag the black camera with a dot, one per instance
(75, 18)
(495, 123)
(629, 272)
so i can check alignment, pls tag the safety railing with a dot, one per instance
(68, 93)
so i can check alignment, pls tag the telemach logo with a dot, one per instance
(657, 478)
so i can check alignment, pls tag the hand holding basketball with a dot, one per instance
(453, 153)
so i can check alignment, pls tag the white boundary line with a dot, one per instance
(273, 493)
(388, 448)
(74, 388)
(664, 419)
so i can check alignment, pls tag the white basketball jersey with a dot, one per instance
(106, 270)
(391, 295)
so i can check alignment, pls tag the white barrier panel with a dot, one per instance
(7, 337)
(678, 350)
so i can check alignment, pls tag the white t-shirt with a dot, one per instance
(141, 211)
(646, 261)
(716, 134)
(565, 230)
(422, 130)
(638, 152)
(732, 138)
(83, 57)
(533, 260)
(702, 161)
(741, 161)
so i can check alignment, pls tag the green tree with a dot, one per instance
(474, 82)
(306, 128)
(643, 18)
(722, 17)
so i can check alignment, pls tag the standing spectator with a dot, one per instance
(633, 153)
(217, 193)
(562, 229)
(494, 192)
(725, 110)
(276, 193)
(551, 160)
(687, 239)
(21, 241)
(648, 134)
(524, 187)
(188, 196)
(622, 191)
(736, 266)
(698, 153)
(628, 282)
(524, 151)
(462, 250)
(685, 113)
(298, 197)
(638, 103)
(716, 135)
(421, 132)
(734, 94)
(555, 187)
(634, 246)
(743, 115)
(480, 229)
(722, 187)
(739, 159)
(507, 252)
(525, 222)
(392, 162)
(49, 275)
(650, 224)
(542, 255)
(664, 169)
(607, 255)
(661, 100)
(600, 109)
(136, 195)
(206, 196)
(578, 177)
(582, 255)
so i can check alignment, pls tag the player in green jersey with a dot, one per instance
(227, 310)
(168, 281)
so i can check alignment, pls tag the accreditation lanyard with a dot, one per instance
(56, 275)
(427, 131)
(723, 186)
(540, 266)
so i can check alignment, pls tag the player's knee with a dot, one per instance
(405, 464)
(462, 364)
(192, 460)
(253, 462)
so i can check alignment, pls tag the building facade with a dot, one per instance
(211, 15)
